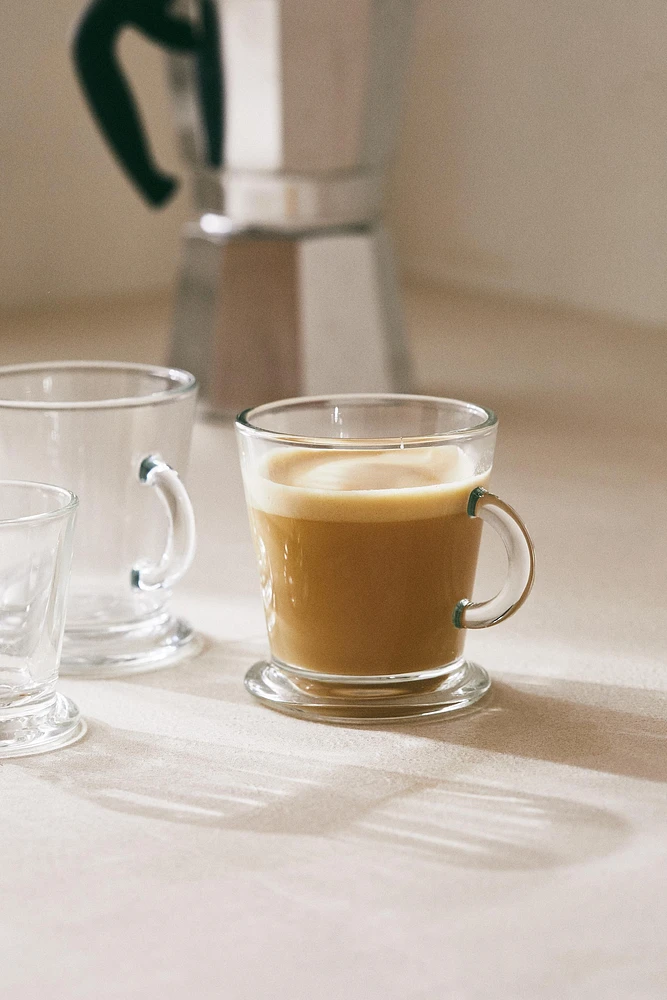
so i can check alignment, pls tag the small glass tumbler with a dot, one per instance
(36, 529)
(366, 514)
(119, 436)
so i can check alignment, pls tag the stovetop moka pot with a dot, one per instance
(287, 113)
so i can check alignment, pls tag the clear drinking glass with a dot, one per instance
(108, 431)
(366, 513)
(36, 528)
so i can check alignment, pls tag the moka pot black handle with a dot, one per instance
(108, 93)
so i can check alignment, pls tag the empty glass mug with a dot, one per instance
(109, 431)
(36, 527)
(366, 513)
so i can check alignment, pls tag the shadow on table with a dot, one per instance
(486, 825)
(480, 825)
(600, 727)
(216, 673)
(621, 731)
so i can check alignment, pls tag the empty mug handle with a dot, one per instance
(520, 563)
(179, 550)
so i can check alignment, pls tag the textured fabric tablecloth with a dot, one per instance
(196, 844)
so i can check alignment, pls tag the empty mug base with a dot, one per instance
(41, 729)
(132, 651)
(376, 701)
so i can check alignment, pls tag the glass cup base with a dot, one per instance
(40, 728)
(347, 700)
(139, 649)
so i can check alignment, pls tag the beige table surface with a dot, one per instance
(198, 845)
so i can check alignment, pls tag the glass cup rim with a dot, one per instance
(71, 504)
(184, 382)
(245, 422)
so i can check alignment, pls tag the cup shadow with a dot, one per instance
(461, 823)
(481, 825)
(599, 727)
(216, 672)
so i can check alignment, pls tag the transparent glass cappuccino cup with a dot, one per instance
(366, 514)
(118, 435)
(36, 529)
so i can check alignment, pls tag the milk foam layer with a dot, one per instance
(364, 485)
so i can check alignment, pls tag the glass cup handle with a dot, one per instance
(180, 546)
(520, 563)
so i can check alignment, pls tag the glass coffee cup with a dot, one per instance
(366, 514)
(36, 531)
(119, 436)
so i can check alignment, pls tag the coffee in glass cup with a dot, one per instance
(366, 515)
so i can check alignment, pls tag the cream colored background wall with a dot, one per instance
(533, 159)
